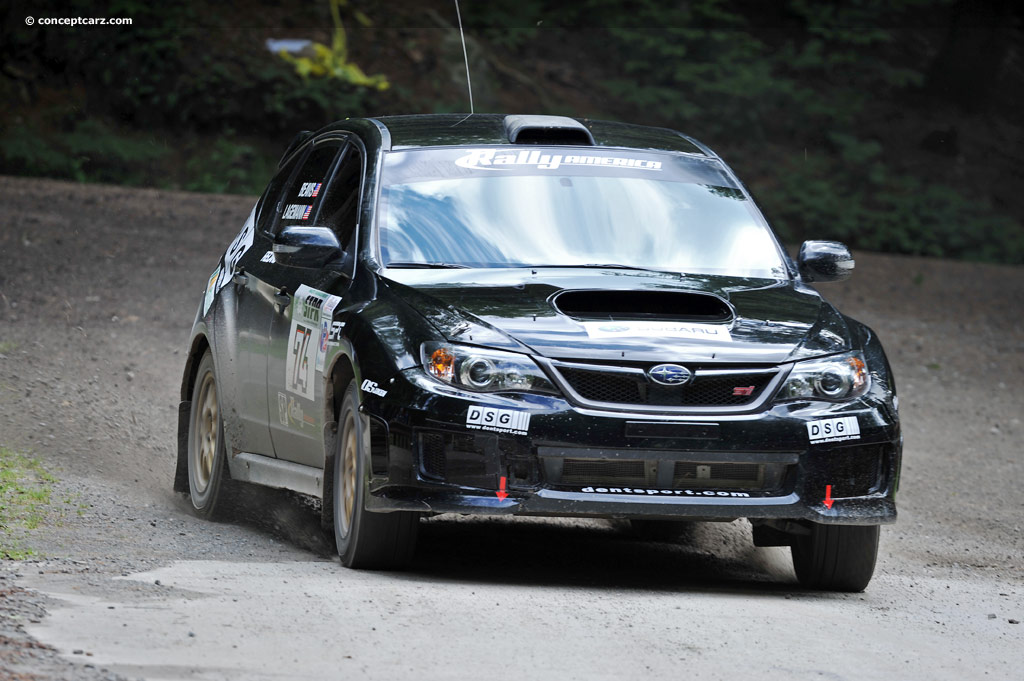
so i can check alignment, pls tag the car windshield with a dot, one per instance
(571, 207)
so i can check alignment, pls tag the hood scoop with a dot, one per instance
(677, 306)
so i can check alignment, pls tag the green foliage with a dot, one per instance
(855, 198)
(89, 150)
(176, 70)
(228, 167)
(709, 67)
(333, 62)
(24, 495)
(185, 99)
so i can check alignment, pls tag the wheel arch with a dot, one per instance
(341, 374)
(200, 344)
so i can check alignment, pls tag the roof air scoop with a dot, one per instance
(547, 130)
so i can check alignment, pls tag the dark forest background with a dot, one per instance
(892, 125)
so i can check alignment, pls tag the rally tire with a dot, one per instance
(365, 540)
(836, 557)
(206, 458)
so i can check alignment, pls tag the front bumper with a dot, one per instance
(433, 451)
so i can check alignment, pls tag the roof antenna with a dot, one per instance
(465, 57)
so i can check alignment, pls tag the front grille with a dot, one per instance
(604, 387)
(856, 471)
(599, 472)
(728, 390)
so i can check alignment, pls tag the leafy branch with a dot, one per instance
(333, 62)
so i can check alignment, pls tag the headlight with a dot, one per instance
(483, 370)
(842, 377)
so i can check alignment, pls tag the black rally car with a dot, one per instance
(536, 315)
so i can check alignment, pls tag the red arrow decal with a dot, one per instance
(828, 496)
(501, 490)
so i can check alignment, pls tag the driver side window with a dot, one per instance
(270, 203)
(304, 193)
(339, 209)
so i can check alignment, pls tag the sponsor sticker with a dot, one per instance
(267, 257)
(238, 247)
(282, 408)
(211, 290)
(326, 317)
(311, 319)
(657, 329)
(372, 388)
(334, 335)
(665, 492)
(833, 430)
(291, 414)
(498, 420)
(491, 159)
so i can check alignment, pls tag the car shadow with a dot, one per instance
(596, 554)
(544, 552)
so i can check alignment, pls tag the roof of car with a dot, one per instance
(431, 130)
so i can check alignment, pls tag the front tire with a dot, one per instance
(206, 459)
(364, 539)
(836, 557)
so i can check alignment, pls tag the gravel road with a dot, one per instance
(98, 287)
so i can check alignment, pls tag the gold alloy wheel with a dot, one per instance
(205, 445)
(348, 475)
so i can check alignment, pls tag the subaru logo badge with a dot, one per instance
(670, 374)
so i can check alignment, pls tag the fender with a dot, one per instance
(199, 341)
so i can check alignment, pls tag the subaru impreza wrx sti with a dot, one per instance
(536, 315)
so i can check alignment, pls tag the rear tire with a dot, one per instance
(206, 459)
(836, 557)
(364, 539)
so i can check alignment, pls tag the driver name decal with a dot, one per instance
(296, 211)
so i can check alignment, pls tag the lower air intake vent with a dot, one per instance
(723, 475)
(432, 456)
(591, 472)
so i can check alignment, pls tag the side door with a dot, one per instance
(243, 325)
(298, 332)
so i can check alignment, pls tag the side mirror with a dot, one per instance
(299, 246)
(824, 261)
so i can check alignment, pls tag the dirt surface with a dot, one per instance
(98, 288)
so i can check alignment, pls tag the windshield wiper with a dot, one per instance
(426, 266)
